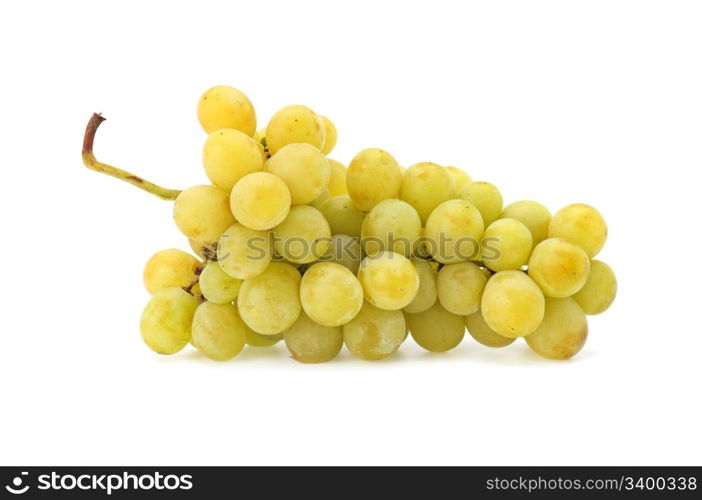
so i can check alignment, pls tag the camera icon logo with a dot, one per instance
(16, 488)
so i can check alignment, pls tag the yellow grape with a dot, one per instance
(460, 178)
(486, 197)
(260, 200)
(582, 225)
(217, 286)
(337, 181)
(425, 186)
(390, 280)
(303, 236)
(229, 155)
(506, 244)
(343, 216)
(310, 342)
(374, 333)
(452, 232)
(329, 135)
(170, 268)
(294, 124)
(436, 329)
(166, 321)
(427, 294)
(599, 290)
(344, 250)
(391, 225)
(485, 335)
(319, 202)
(270, 302)
(226, 107)
(533, 215)
(512, 304)
(202, 212)
(330, 294)
(304, 169)
(218, 331)
(257, 340)
(373, 176)
(243, 252)
(559, 267)
(563, 331)
(460, 287)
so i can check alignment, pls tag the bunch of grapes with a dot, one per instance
(292, 245)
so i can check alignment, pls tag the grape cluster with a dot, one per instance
(292, 245)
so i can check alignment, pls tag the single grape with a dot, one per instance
(167, 319)
(294, 124)
(170, 268)
(202, 212)
(460, 178)
(303, 236)
(436, 329)
(505, 245)
(391, 225)
(218, 331)
(533, 215)
(427, 294)
(304, 169)
(260, 200)
(452, 232)
(329, 135)
(425, 186)
(330, 294)
(559, 267)
(485, 335)
(270, 302)
(257, 340)
(243, 252)
(563, 332)
(343, 216)
(337, 181)
(310, 342)
(599, 290)
(374, 333)
(390, 281)
(512, 304)
(486, 197)
(217, 286)
(226, 107)
(373, 176)
(229, 155)
(460, 287)
(581, 224)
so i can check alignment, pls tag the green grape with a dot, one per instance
(343, 216)
(304, 169)
(226, 107)
(270, 302)
(533, 215)
(391, 225)
(512, 304)
(390, 280)
(460, 287)
(319, 202)
(485, 335)
(425, 186)
(218, 331)
(344, 250)
(206, 250)
(582, 225)
(310, 342)
(229, 155)
(486, 197)
(373, 176)
(243, 252)
(460, 178)
(294, 124)
(257, 340)
(167, 319)
(599, 290)
(217, 286)
(170, 268)
(374, 333)
(427, 294)
(330, 294)
(202, 212)
(329, 135)
(563, 331)
(436, 329)
(559, 267)
(303, 236)
(453, 232)
(506, 244)
(260, 201)
(337, 181)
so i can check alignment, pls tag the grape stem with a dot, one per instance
(92, 163)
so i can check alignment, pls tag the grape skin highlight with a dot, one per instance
(390, 281)
(599, 290)
(582, 225)
(170, 268)
(559, 267)
(425, 186)
(483, 334)
(243, 252)
(303, 236)
(294, 124)
(229, 155)
(563, 332)
(436, 329)
(330, 294)
(373, 176)
(512, 304)
(460, 287)
(310, 342)
(260, 201)
(218, 331)
(226, 107)
(304, 169)
(217, 286)
(202, 212)
(166, 321)
(374, 333)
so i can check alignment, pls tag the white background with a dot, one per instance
(594, 101)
